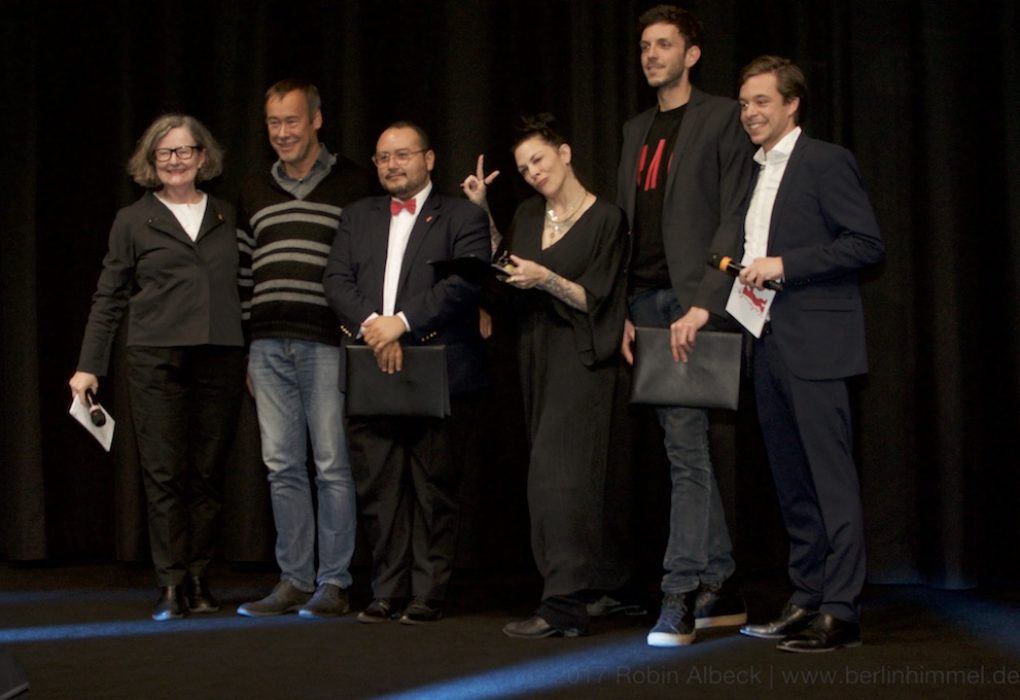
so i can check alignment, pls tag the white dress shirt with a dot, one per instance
(763, 199)
(400, 232)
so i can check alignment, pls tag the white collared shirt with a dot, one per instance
(189, 216)
(400, 233)
(763, 199)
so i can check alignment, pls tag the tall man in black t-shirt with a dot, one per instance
(684, 168)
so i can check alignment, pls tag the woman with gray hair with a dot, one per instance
(172, 264)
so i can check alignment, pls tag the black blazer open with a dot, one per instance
(440, 310)
(708, 179)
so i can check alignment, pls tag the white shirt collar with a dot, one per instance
(781, 151)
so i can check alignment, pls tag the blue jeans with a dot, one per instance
(297, 396)
(699, 549)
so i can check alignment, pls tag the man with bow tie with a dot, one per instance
(382, 288)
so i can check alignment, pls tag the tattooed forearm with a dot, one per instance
(495, 237)
(570, 293)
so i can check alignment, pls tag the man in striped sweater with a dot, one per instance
(290, 217)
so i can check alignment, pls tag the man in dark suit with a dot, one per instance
(684, 169)
(380, 284)
(810, 225)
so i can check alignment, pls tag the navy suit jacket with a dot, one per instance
(440, 310)
(707, 181)
(825, 230)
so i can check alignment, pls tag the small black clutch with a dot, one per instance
(709, 379)
(421, 388)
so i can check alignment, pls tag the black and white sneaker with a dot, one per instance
(719, 606)
(675, 627)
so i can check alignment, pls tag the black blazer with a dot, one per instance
(440, 310)
(707, 181)
(178, 292)
(825, 230)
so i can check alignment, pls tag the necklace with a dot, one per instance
(560, 224)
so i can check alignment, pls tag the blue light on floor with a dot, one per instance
(627, 663)
(145, 628)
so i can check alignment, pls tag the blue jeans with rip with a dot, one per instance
(297, 398)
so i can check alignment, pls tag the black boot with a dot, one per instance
(170, 605)
(200, 600)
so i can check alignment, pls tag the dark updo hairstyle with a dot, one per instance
(540, 125)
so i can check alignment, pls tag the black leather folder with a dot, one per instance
(709, 379)
(421, 388)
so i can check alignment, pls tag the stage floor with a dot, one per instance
(83, 632)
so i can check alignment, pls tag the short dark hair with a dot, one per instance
(423, 137)
(686, 23)
(790, 80)
(142, 164)
(281, 89)
(537, 125)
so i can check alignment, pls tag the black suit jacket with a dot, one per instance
(825, 230)
(707, 181)
(440, 310)
(178, 292)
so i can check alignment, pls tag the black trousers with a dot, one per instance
(184, 403)
(407, 472)
(807, 431)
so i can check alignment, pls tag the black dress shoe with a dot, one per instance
(170, 605)
(536, 628)
(200, 600)
(419, 612)
(379, 610)
(826, 633)
(792, 620)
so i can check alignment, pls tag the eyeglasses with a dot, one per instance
(183, 153)
(400, 157)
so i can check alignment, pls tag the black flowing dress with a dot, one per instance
(568, 363)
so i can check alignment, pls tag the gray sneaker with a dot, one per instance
(285, 598)
(329, 601)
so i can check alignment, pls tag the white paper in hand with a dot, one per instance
(104, 433)
(750, 306)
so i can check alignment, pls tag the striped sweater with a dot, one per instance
(284, 243)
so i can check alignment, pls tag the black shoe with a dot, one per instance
(792, 620)
(536, 628)
(608, 605)
(379, 610)
(170, 605)
(200, 600)
(419, 612)
(826, 633)
(675, 626)
(719, 606)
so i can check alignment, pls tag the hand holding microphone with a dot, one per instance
(95, 410)
(726, 264)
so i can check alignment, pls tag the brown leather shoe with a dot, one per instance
(826, 633)
(792, 620)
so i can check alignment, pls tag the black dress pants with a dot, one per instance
(407, 471)
(184, 403)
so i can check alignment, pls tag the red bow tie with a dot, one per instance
(396, 207)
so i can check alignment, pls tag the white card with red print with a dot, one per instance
(750, 306)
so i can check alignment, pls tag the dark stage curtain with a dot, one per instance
(921, 91)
